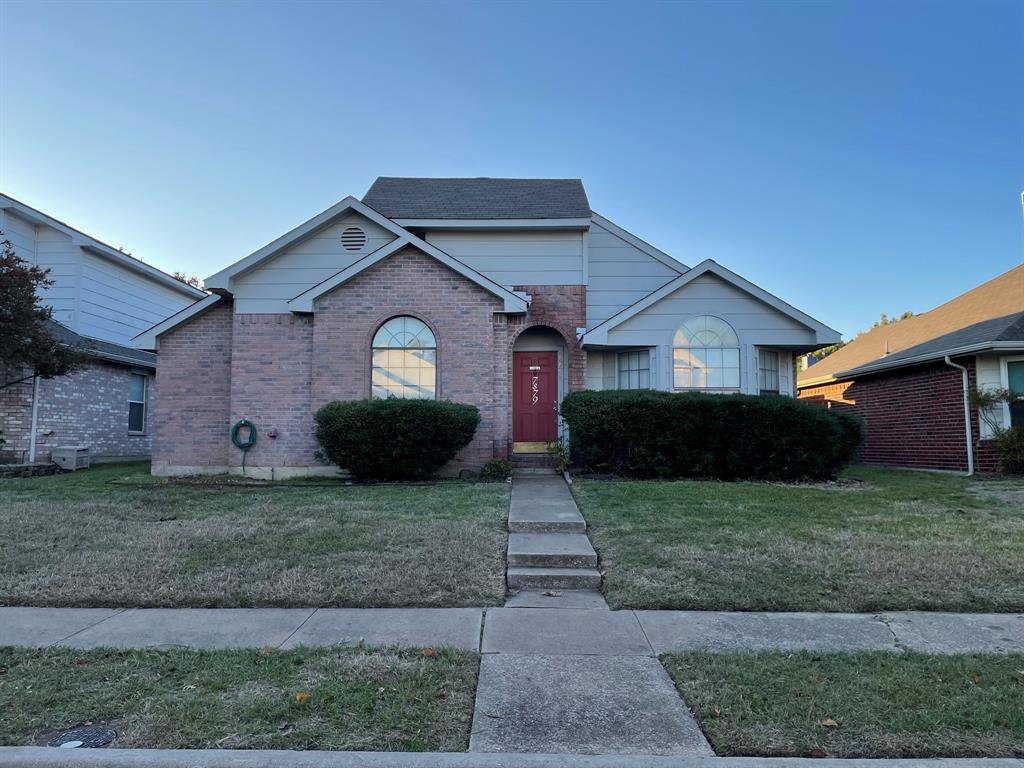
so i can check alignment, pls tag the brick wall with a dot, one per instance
(193, 393)
(913, 417)
(87, 407)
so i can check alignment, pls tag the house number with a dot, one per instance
(534, 388)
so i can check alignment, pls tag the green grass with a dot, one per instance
(871, 704)
(358, 699)
(79, 540)
(877, 540)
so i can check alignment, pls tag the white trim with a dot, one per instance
(513, 302)
(599, 334)
(494, 223)
(639, 244)
(885, 365)
(148, 338)
(967, 411)
(223, 278)
(98, 248)
(1004, 380)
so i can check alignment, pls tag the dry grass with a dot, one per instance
(874, 704)
(79, 540)
(892, 540)
(358, 699)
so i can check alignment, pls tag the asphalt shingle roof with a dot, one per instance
(480, 198)
(105, 350)
(996, 300)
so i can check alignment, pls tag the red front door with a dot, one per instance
(534, 397)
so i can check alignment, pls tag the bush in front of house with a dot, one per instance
(1010, 449)
(496, 469)
(662, 434)
(394, 439)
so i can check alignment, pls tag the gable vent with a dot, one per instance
(353, 239)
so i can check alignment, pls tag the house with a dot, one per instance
(502, 293)
(101, 298)
(908, 381)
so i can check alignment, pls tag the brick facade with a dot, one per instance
(278, 369)
(912, 417)
(87, 407)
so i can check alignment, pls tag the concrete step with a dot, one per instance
(539, 460)
(529, 577)
(521, 471)
(551, 550)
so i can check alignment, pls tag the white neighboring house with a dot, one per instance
(101, 298)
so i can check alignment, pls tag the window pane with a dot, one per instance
(136, 417)
(681, 378)
(645, 379)
(731, 378)
(715, 378)
(137, 389)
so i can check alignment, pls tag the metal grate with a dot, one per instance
(84, 736)
(353, 239)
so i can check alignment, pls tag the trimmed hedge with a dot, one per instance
(394, 439)
(661, 434)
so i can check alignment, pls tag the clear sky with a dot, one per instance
(852, 158)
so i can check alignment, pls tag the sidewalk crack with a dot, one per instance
(295, 631)
(118, 612)
(884, 620)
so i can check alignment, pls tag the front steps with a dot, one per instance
(548, 548)
(533, 464)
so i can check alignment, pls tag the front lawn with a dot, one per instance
(872, 704)
(82, 539)
(876, 540)
(324, 698)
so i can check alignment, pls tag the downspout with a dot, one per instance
(35, 421)
(967, 415)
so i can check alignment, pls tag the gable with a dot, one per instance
(755, 321)
(620, 273)
(267, 287)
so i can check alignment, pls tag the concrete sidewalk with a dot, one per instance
(45, 757)
(523, 631)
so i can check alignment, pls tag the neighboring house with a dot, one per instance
(101, 298)
(501, 293)
(907, 381)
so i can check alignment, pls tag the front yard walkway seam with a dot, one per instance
(296, 630)
(90, 626)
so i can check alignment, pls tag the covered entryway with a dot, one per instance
(537, 388)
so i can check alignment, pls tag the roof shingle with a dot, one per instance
(480, 198)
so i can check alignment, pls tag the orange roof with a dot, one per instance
(999, 297)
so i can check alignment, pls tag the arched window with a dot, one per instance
(706, 355)
(404, 360)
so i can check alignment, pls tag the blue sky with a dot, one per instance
(853, 158)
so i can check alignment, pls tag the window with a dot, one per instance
(635, 370)
(404, 360)
(1015, 383)
(768, 371)
(706, 355)
(137, 403)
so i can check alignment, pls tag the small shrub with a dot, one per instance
(394, 439)
(662, 434)
(1010, 449)
(496, 469)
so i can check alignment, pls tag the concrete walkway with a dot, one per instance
(514, 630)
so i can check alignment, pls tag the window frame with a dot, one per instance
(374, 349)
(645, 351)
(738, 348)
(143, 402)
(778, 372)
(1004, 372)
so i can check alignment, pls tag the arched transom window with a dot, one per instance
(404, 360)
(706, 355)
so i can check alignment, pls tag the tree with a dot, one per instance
(26, 339)
(194, 281)
(884, 319)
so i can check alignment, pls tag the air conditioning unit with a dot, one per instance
(70, 457)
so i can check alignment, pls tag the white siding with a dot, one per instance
(269, 286)
(513, 258)
(619, 274)
(21, 233)
(756, 324)
(55, 251)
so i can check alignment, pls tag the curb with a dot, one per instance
(49, 757)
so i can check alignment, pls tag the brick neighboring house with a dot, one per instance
(907, 381)
(502, 293)
(101, 298)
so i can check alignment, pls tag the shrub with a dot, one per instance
(496, 469)
(394, 439)
(662, 434)
(1010, 449)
